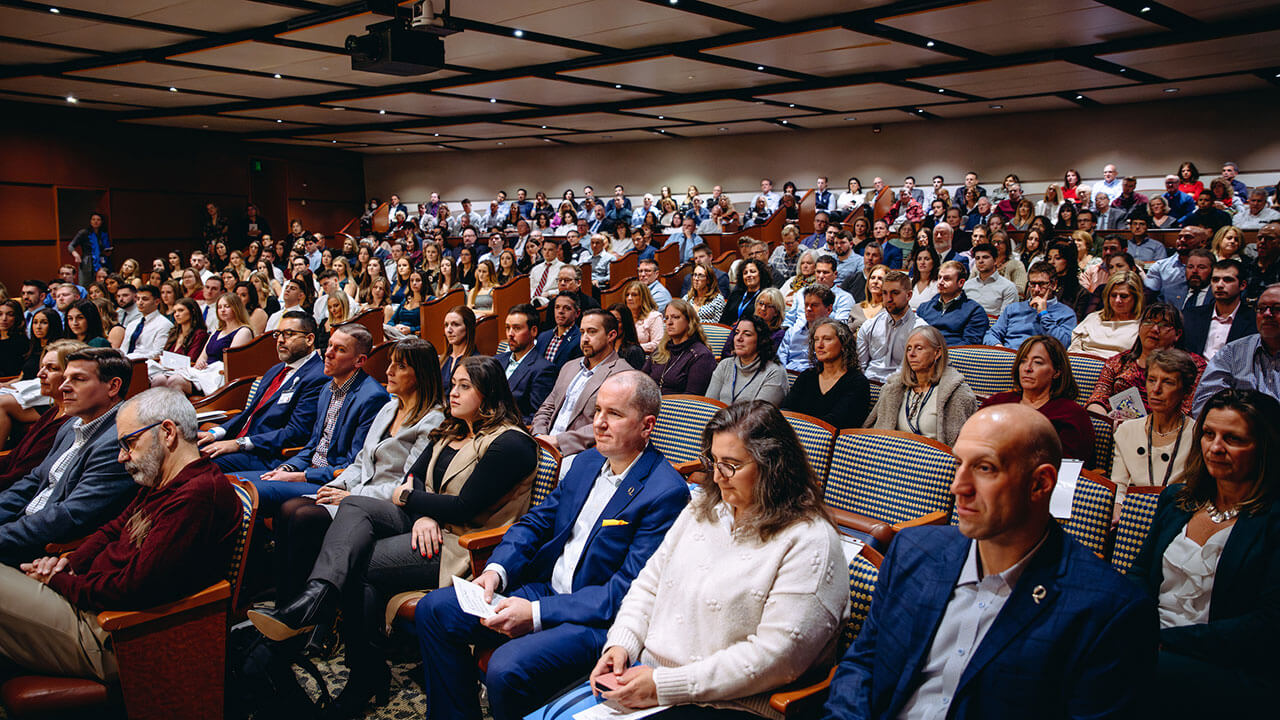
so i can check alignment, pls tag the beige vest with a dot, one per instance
(454, 561)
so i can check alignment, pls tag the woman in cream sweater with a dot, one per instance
(1114, 328)
(747, 591)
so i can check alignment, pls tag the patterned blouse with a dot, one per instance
(1118, 375)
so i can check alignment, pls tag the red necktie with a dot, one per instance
(541, 283)
(263, 401)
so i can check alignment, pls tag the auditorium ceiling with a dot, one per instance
(522, 73)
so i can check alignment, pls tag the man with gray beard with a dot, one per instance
(174, 539)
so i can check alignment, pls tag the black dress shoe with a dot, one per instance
(313, 606)
(371, 681)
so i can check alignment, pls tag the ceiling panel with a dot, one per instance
(310, 143)
(788, 10)
(218, 122)
(1207, 10)
(505, 144)
(596, 121)
(374, 137)
(541, 91)
(613, 137)
(719, 111)
(1053, 76)
(740, 128)
(334, 32)
(230, 15)
(834, 51)
(855, 97)
(319, 115)
(985, 25)
(1047, 102)
(199, 80)
(393, 149)
(19, 54)
(675, 74)
(856, 119)
(498, 52)
(1206, 57)
(1186, 88)
(75, 32)
(481, 130)
(615, 23)
(103, 92)
(62, 101)
(426, 104)
(264, 57)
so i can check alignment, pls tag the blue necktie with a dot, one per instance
(137, 333)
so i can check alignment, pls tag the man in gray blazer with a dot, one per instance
(80, 484)
(564, 418)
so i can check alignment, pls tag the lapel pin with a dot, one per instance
(631, 491)
(1038, 593)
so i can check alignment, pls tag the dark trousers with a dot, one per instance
(366, 555)
(523, 674)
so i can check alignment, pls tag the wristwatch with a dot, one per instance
(404, 495)
(242, 443)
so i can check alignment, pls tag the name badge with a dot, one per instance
(285, 397)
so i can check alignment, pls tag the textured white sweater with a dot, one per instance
(723, 621)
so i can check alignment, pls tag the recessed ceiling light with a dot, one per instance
(173, 89)
(546, 139)
(382, 112)
(544, 127)
(518, 33)
(724, 129)
(1079, 97)
(759, 67)
(662, 131)
(792, 105)
(501, 143)
(1145, 9)
(941, 90)
(662, 117)
(1171, 90)
(784, 122)
(929, 44)
(996, 107)
(851, 118)
(619, 87)
(279, 121)
(55, 11)
(436, 135)
(276, 76)
(204, 126)
(673, 2)
(335, 142)
(493, 100)
(339, 108)
(919, 110)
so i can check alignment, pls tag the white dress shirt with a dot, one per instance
(1219, 329)
(565, 415)
(882, 341)
(155, 332)
(273, 322)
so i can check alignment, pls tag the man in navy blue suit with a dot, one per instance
(530, 375)
(1206, 328)
(1006, 617)
(281, 412)
(565, 567)
(562, 342)
(345, 410)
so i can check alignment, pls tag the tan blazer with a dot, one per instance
(453, 559)
(578, 436)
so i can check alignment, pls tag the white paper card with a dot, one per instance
(607, 711)
(471, 598)
(852, 546)
(1065, 490)
(174, 361)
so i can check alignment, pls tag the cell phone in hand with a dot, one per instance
(608, 681)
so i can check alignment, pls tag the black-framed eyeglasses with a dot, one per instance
(127, 442)
(288, 334)
(726, 470)
(1269, 310)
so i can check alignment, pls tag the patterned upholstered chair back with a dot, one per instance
(873, 396)
(1091, 509)
(1104, 437)
(988, 370)
(678, 432)
(889, 475)
(716, 334)
(503, 347)
(791, 378)
(248, 495)
(548, 474)
(1136, 516)
(1085, 369)
(818, 439)
(863, 573)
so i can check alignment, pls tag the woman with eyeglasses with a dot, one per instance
(926, 396)
(751, 575)
(1159, 329)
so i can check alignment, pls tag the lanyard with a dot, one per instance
(914, 409)
(733, 391)
(1151, 475)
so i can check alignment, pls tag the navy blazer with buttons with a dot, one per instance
(364, 400)
(94, 488)
(289, 416)
(643, 508)
(570, 346)
(1196, 322)
(531, 382)
(1085, 649)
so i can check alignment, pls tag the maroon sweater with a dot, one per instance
(194, 521)
(32, 449)
(1068, 418)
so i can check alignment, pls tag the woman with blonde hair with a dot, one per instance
(875, 291)
(1114, 328)
(236, 265)
(806, 267)
(1228, 244)
(1048, 207)
(130, 271)
(926, 396)
(704, 293)
(645, 311)
(339, 309)
(682, 363)
(377, 295)
(480, 299)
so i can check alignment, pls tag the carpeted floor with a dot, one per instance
(407, 699)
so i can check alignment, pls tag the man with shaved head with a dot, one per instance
(1004, 616)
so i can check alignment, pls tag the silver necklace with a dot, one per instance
(1220, 516)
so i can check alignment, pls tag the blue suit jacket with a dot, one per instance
(532, 380)
(646, 504)
(289, 416)
(93, 489)
(570, 347)
(1086, 649)
(366, 398)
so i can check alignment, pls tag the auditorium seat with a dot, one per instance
(818, 439)
(987, 369)
(379, 358)
(1085, 369)
(1104, 435)
(1092, 506)
(716, 334)
(678, 432)
(1136, 515)
(252, 359)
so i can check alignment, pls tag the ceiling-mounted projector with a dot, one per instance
(411, 43)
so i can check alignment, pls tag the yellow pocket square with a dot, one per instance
(613, 523)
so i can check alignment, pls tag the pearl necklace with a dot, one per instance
(1220, 516)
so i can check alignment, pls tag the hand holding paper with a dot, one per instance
(471, 598)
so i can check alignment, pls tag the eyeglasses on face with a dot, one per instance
(1273, 309)
(726, 470)
(288, 334)
(128, 441)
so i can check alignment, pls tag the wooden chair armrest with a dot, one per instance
(116, 620)
(64, 548)
(938, 517)
(290, 451)
(882, 531)
(483, 538)
(790, 702)
(688, 468)
(4, 452)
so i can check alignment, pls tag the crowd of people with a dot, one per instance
(706, 595)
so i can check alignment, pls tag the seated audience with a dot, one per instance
(1153, 450)
(1114, 328)
(927, 396)
(529, 374)
(682, 363)
(564, 580)
(805, 267)
(23, 406)
(188, 334)
(338, 309)
(993, 291)
(1040, 314)
(874, 291)
(475, 474)
(560, 343)
(564, 419)
(647, 316)
(459, 342)
(960, 320)
(1251, 362)
(281, 412)
(753, 277)
(40, 434)
(80, 484)
(1227, 319)
(405, 317)
(13, 338)
(833, 388)
(627, 345)
(1062, 257)
(1209, 563)
(752, 370)
(297, 295)
(1043, 381)
(881, 339)
(704, 294)
(962, 611)
(175, 538)
(1169, 276)
(1007, 262)
(1161, 328)
(569, 282)
(793, 351)
(779, 566)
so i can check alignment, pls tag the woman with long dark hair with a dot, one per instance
(460, 341)
(627, 345)
(752, 372)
